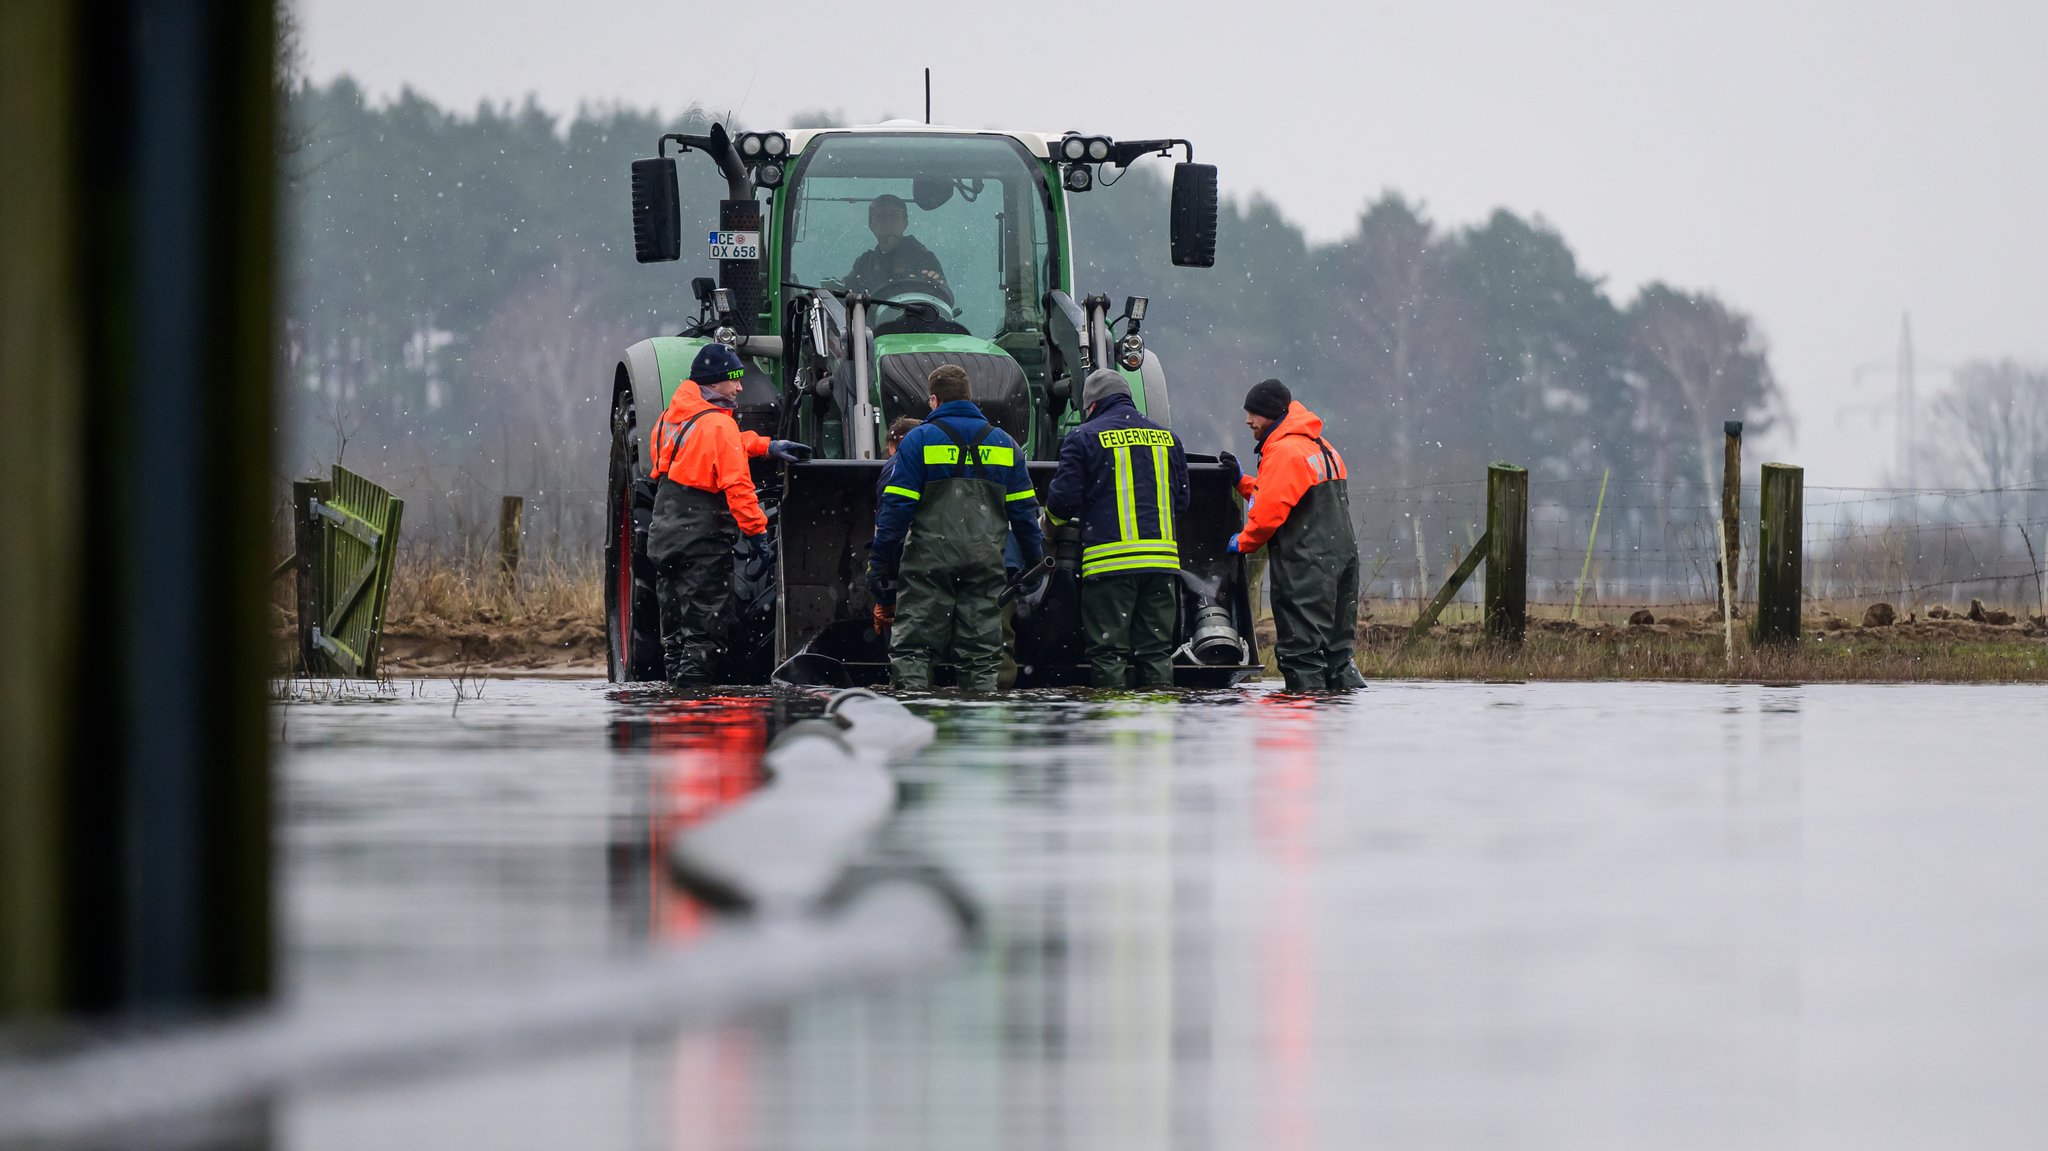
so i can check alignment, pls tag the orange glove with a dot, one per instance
(885, 617)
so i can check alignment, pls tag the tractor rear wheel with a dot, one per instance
(631, 610)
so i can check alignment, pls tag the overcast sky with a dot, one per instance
(1823, 166)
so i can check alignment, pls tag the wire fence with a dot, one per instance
(453, 514)
(1655, 544)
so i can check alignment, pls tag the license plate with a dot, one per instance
(735, 245)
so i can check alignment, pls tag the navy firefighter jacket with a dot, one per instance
(930, 453)
(1126, 479)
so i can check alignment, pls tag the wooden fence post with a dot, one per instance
(1731, 512)
(1779, 555)
(308, 541)
(1507, 552)
(509, 514)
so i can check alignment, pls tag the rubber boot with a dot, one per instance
(1305, 681)
(695, 666)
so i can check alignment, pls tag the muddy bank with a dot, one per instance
(488, 643)
(561, 645)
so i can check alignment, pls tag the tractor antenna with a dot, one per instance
(927, 95)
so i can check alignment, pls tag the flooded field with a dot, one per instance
(1430, 915)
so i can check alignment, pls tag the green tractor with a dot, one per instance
(878, 254)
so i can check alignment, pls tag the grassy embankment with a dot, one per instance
(1687, 646)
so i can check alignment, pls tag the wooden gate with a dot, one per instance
(348, 538)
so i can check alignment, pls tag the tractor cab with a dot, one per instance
(920, 248)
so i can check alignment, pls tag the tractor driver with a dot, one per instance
(896, 258)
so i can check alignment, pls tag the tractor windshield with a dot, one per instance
(958, 223)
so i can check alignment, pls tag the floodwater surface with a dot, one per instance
(1426, 915)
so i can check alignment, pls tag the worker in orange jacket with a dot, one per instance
(704, 505)
(1301, 507)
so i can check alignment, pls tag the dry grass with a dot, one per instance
(471, 589)
(456, 614)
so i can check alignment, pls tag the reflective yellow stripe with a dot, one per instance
(991, 455)
(906, 493)
(1056, 521)
(1162, 488)
(1126, 495)
(1026, 494)
(1133, 547)
(1136, 563)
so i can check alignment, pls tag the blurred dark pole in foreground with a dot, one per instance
(136, 271)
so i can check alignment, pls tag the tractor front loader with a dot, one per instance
(878, 254)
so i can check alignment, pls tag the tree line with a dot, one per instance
(459, 285)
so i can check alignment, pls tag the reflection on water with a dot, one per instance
(1602, 915)
(692, 756)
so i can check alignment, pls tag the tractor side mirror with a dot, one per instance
(658, 211)
(1194, 215)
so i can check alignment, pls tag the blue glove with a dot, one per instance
(1231, 547)
(788, 451)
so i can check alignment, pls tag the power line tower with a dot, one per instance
(1905, 418)
(1905, 367)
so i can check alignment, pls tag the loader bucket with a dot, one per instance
(824, 631)
(827, 518)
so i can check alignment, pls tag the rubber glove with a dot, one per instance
(1236, 469)
(885, 617)
(1231, 547)
(788, 451)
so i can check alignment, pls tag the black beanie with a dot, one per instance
(1268, 398)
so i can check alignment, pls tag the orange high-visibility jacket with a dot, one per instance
(711, 456)
(1293, 459)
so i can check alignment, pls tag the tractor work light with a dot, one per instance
(768, 175)
(756, 147)
(1074, 148)
(1078, 178)
(1134, 307)
(1130, 352)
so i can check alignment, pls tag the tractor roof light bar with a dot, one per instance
(1078, 154)
(1075, 148)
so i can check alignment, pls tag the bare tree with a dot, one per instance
(1990, 431)
(549, 350)
(1694, 363)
